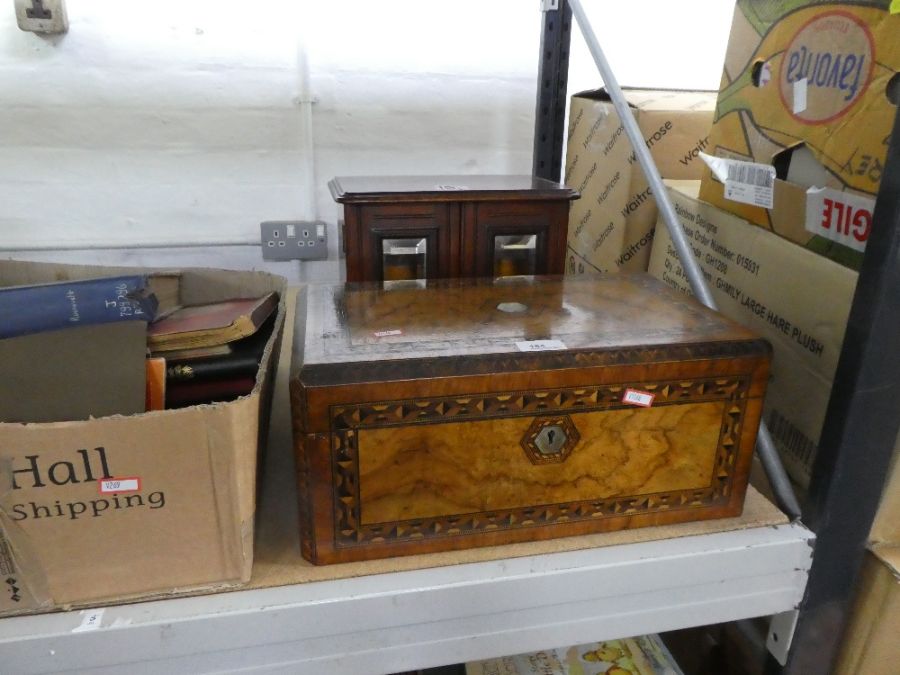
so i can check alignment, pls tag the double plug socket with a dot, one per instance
(294, 240)
(42, 16)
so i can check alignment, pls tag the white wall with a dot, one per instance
(159, 122)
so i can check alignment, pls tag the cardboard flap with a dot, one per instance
(889, 554)
(657, 99)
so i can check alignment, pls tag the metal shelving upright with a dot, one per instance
(863, 414)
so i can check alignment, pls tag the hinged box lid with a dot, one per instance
(358, 333)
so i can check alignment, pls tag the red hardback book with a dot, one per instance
(214, 324)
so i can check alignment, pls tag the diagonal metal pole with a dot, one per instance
(768, 455)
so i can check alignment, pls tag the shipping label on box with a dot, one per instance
(798, 300)
(816, 78)
(611, 226)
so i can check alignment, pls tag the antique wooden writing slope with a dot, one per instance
(464, 413)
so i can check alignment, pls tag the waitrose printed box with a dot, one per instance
(795, 298)
(611, 226)
(808, 95)
(127, 507)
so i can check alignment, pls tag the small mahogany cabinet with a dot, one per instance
(430, 227)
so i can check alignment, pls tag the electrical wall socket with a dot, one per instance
(294, 240)
(42, 16)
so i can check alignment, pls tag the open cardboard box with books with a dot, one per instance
(132, 505)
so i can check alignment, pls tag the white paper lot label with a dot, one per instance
(90, 620)
(540, 345)
(110, 486)
(745, 182)
(643, 399)
(801, 86)
(839, 216)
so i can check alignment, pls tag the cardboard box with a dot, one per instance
(611, 226)
(886, 527)
(818, 305)
(813, 76)
(800, 301)
(183, 518)
(870, 643)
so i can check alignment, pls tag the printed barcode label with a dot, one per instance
(540, 345)
(838, 216)
(116, 485)
(751, 174)
(639, 398)
(757, 195)
(387, 333)
(745, 182)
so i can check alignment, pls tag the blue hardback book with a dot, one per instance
(42, 307)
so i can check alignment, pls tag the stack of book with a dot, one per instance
(211, 352)
(83, 348)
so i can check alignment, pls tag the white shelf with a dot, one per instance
(613, 585)
(392, 622)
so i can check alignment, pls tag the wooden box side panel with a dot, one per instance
(437, 223)
(342, 529)
(442, 470)
(548, 220)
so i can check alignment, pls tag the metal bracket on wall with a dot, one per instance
(549, 5)
(781, 634)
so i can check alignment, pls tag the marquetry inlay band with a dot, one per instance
(552, 407)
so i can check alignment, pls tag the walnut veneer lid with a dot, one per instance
(394, 189)
(393, 330)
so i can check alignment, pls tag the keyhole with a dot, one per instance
(550, 435)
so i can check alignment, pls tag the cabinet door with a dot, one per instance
(402, 241)
(507, 238)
